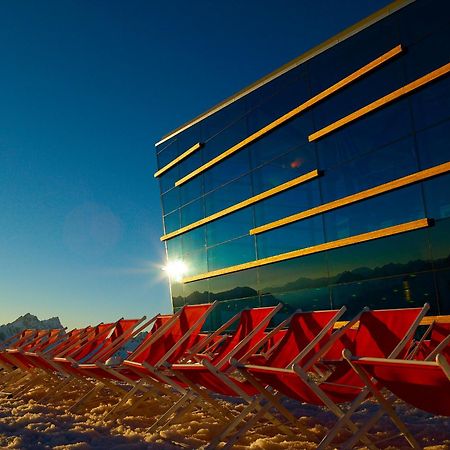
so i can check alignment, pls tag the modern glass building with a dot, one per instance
(324, 184)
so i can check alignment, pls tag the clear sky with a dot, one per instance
(87, 87)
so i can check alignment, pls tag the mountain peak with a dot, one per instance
(28, 320)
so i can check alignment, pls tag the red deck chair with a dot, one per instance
(15, 342)
(143, 370)
(422, 384)
(383, 333)
(213, 374)
(439, 342)
(308, 332)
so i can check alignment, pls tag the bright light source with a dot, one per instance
(175, 270)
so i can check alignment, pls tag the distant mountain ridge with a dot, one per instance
(28, 321)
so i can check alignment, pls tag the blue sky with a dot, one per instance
(87, 88)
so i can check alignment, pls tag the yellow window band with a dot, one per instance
(250, 201)
(180, 158)
(422, 81)
(281, 120)
(384, 232)
(372, 192)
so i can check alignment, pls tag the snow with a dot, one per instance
(26, 423)
(28, 321)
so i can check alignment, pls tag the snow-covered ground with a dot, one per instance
(29, 424)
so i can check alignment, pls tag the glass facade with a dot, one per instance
(397, 140)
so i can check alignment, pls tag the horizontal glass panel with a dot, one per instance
(422, 18)
(352, 53)
(287, 137)
(197, 292)
(431, 104)
(172, 222)
(392, 208)
(192, 212)
(168, 153)
(294, 236)
(187, 138)
(227, 170)
(170, 200)
(372, 169)
(440, 243)
(370, 132)
(294, 200)
(294, 274)
(408, 291)
(385, 257)
(433, 145)
(235, 285)
(360, 93)
(191, 163)
(174, 249)
(225, 310)
(167, 179)
(228, 195)
(306, 299)
(191, 190)
(443, 288)
(195, 262)
(231, 253)
(194, 240)
(229, 227)
(225, 139)
(284, 168)
(437, 197)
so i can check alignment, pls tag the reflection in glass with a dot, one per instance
(230, 253)
(229, 227)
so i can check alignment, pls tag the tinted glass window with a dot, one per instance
(437, 197)
(168, 153)
(231, 253)
(193, 240)
(170, 201)
(295, 236)
(230, 227)
(433, 145)
(440, 243)
(443, 287)
(192, 212)
(172, 222)
(235, 285)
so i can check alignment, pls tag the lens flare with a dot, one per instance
(175, 270)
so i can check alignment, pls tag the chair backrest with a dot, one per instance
(173, 336)
(304, 327)
(36, 343)
(425, 385)
(249, 332)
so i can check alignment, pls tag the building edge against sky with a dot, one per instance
(325, 183)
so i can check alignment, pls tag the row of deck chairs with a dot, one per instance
(307, 358)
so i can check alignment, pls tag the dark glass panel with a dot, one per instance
(306, 299)
(295, 236)
(192, 162)
(228, 169)
(351, 54)
(167, 179)
(189, 137)
(285, 168)
(231, 253)
(385, 257)
(407, 291)
(392, 208)
(191, 190)
(229, 227)
(370, 132)
(370, 170)
(234, 285)
(228, 195)
(440, 243)
(287, 137)
(282, 102)
(421, 18)
(225, 139)
(294, 200)
(225, 310)
(433, 145)
(195, 262)
(431, 104)
(443, 287)
(168, 153)
(428, 54)
(172, 222)
(308, 272)
(437, 197)
(174, 251)
(197, 292)
(176, 291)
(170, 201)
(194, 240)
(192, 212)
(360, 93)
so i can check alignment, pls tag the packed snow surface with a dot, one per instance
(26, 423)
